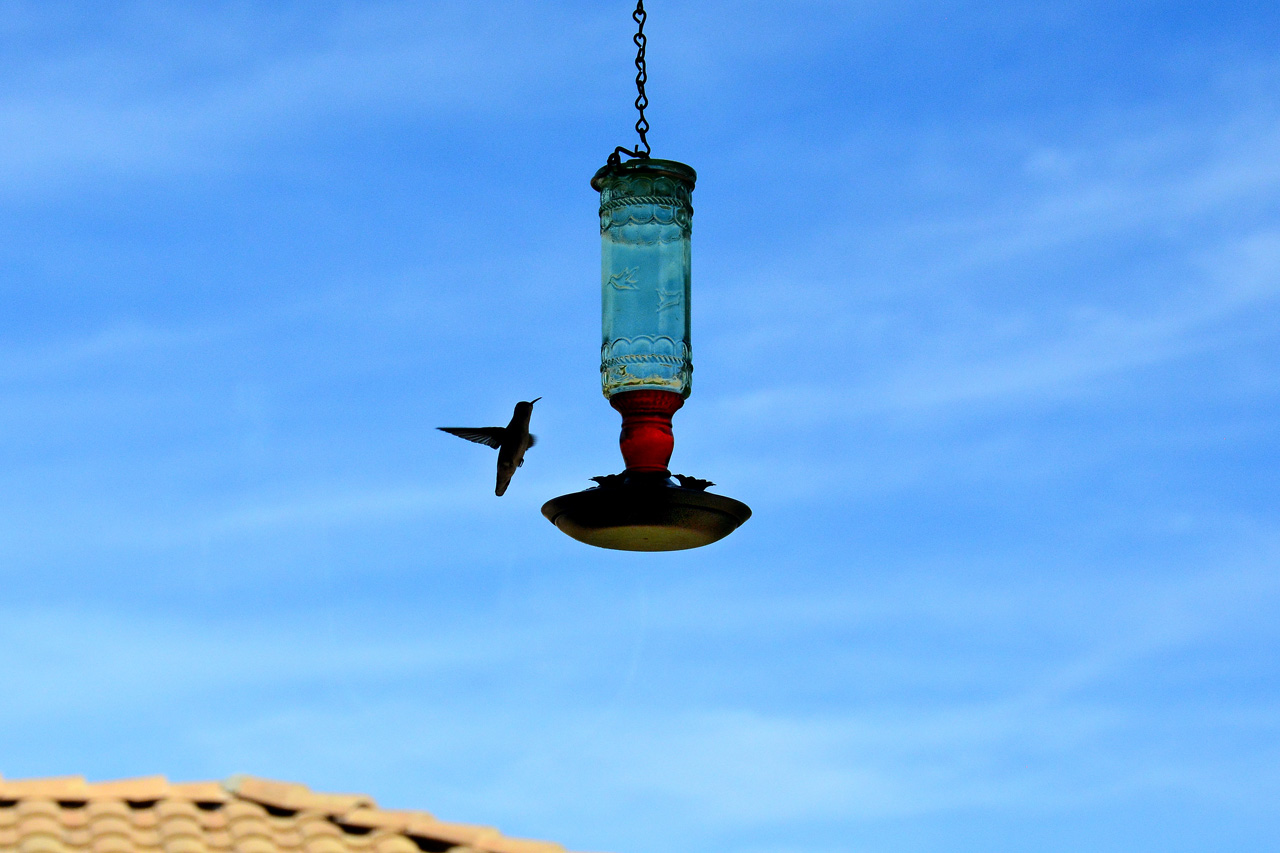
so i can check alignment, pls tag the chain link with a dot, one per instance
(641, 151)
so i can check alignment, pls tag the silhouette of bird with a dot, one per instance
(510, 441)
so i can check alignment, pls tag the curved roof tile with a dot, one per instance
(245, 814)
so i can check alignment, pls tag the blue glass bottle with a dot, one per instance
(646, 219)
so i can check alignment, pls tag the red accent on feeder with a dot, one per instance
(646, 439)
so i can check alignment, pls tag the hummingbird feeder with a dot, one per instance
(646, 364)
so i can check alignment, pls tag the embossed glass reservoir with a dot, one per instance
(646, 219)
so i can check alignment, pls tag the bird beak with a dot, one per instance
(534, 400)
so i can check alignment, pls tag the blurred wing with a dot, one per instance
(533, 439)
(491, 436)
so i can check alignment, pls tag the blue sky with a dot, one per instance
(985, 332)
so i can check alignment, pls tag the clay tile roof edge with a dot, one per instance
(381, 818)
(294, 796)
(142, 789)
(455, 833)
(353, 810)
(199, 792)
(503, 844)
(51, 788)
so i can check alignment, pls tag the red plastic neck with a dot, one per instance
(646, 439)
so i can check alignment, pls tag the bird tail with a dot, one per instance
(504, 480)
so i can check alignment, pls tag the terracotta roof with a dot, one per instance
(66, 814)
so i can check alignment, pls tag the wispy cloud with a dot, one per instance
(47, 359)
(103, 106)
(1051, 738)
(974, 349)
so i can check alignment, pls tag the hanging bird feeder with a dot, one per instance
(646, 358)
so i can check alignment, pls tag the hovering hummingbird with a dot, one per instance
(510, 441)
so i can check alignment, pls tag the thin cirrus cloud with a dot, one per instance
(110, 111)
(978, 748)
(1222, 276)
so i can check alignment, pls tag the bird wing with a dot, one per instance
(491, 436)
(533, 439)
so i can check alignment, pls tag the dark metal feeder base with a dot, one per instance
(645, 514)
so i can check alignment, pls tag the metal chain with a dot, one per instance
(642, 100)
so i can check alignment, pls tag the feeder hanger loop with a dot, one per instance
(642, 100)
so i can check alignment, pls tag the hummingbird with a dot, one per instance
(510, 441)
